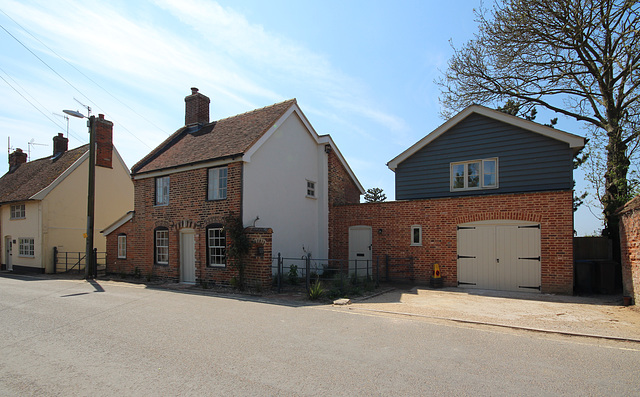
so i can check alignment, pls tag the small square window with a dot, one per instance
(17, 211)
(311, 189)
(416, 235)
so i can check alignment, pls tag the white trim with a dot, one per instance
(124, 219)
(575, 142)
(419, 243)
(125, 246)
(481, 185)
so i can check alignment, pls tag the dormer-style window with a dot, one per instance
(162, 190)
(474, 175)
(17, 211)
(217, 185)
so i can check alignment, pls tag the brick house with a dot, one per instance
(43, 202)
(267, 166)
(487, 196)
(630, 248)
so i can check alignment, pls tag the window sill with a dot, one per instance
(216, 266)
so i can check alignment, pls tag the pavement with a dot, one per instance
(596, 316)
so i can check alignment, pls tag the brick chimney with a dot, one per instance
(60, 144)
(16, 158)
(196, 108)
(104, 142)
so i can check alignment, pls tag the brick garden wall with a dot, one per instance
(630, 250)
(391, 223)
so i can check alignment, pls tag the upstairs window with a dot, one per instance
(162, 190)
(17, 211)
(311, 189)
(473, 175)
(216, 246)
(217, 186)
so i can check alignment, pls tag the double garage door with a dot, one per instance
(500, 255)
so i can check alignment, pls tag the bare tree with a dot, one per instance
(578, 58)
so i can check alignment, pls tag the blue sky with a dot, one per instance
(362, 71)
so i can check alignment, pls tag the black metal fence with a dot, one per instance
(291, 273)
(65, 262)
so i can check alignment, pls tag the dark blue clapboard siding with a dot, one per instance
(527, 161)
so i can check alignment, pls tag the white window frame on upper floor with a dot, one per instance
(487, 178)
(18, 211)
(217, 183)
(162, 190)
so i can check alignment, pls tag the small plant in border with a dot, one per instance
(316, 291)
(293, 275)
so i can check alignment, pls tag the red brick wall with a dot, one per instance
(630, 253)
(188, 208)
(439, 218)
(342, 189)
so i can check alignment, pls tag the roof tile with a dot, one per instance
(216, 140)
(31, 177)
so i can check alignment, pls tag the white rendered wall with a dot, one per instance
(274, 188)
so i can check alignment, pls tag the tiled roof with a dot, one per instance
(216, 140)
(31, 177)
(632, 205)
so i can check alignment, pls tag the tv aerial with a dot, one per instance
(33, 143)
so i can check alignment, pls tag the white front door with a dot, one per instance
(8, 246)
(188, 256)
(502, 255)
(360, 250)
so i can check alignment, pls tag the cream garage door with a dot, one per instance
(500, 255)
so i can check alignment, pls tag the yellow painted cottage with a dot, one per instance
(43, 203)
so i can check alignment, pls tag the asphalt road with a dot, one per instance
(71, 337)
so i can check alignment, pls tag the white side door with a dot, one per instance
(359, 249)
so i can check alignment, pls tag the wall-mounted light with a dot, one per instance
(327, 148)
(379, 231)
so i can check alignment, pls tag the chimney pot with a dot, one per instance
(101, 116)
(194, 90)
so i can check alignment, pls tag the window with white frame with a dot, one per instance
(17, 211)
(217, 185)
(161, 243)
(475, 174)
(311, 189)
(122, 246)
(162, 190)
(416, 235)
(26, 247)
(216, 246)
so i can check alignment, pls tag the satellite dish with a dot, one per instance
(74, 113)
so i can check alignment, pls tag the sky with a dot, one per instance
(362, 71)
